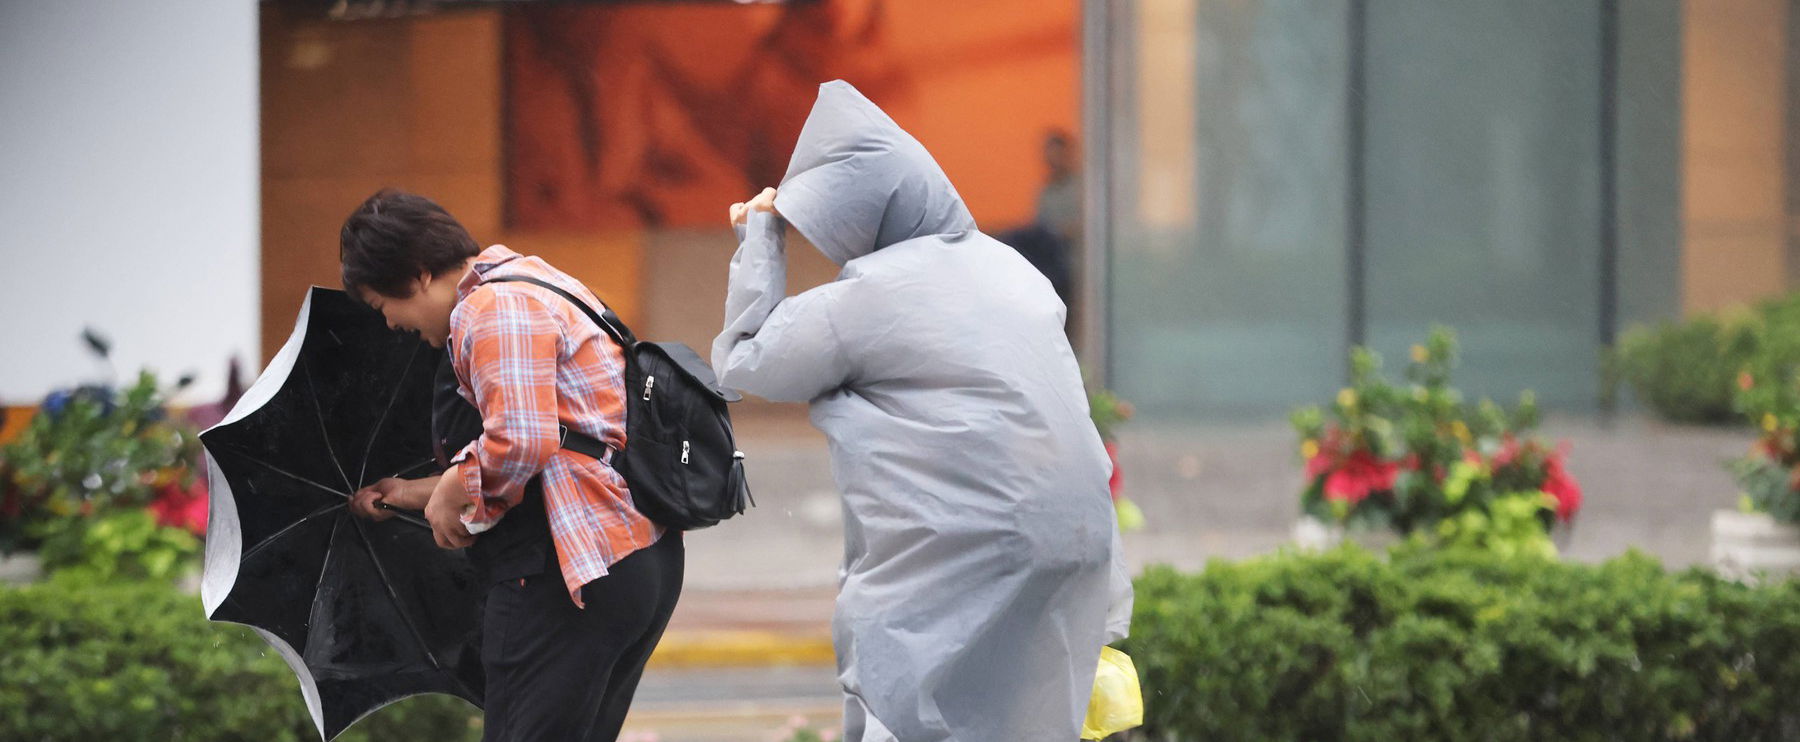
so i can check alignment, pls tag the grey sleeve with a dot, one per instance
(777, 347)
(1119, 591)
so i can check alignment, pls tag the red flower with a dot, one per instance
(1349, 477)
(181, 508)
(1508, 453)
(1359, 475)
(1320, 464)
(1770, 447)
(1117, 482)
(1563, 487)
(1327, 453)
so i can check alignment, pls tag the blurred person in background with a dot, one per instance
(1049, 241)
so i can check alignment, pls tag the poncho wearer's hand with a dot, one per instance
(764, 201)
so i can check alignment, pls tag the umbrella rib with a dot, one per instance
(283, 472)
(388, 585)
(250, 552)
(303, 480)
(376, 433)
(415, 466)
(319, 414)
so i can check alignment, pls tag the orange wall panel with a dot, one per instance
(352, 107)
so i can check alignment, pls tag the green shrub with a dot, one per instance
(1768, 396)
(118, 661)
(1108, 412)
(1684, 371)
(1461, 645)
(118, 544)
(1688, 371)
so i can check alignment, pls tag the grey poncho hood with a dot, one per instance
(858, 182)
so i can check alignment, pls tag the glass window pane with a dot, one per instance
(1227, 276)
(1482, 188)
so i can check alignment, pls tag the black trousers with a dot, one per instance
(556, 672)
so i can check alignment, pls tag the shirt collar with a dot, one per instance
(489, 259)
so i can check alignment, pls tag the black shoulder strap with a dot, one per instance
(574, 440)
(608, 321)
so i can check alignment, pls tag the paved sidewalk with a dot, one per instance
(736, 628)
(1207, 492)
(733, 704)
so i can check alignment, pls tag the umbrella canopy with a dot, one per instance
(366, 613)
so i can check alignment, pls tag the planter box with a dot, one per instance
(1312, 534)
(1745, 545)
(20, 568)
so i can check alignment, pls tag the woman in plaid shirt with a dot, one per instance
(582, 584)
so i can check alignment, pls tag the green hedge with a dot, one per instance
(1336, 646)
(1460, 646)
(91, 661)
(1688, 371)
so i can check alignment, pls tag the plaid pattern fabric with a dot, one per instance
(528, 359)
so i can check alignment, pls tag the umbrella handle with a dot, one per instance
(410, 516)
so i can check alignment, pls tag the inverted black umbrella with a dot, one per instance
(366, 613)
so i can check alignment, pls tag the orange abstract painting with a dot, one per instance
(655, 115)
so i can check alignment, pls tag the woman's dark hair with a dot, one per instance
(393, 237)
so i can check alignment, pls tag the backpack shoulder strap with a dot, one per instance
(607, 321)
(574, 440)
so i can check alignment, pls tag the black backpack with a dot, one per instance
(680, 459)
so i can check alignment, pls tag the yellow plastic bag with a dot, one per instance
(1118, 702)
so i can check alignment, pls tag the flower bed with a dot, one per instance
(105, 480)
(1413, 458)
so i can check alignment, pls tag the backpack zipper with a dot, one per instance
(649, 385)
(684, 452)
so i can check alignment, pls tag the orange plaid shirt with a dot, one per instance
(529, 360)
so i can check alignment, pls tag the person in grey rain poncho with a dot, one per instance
(981, 569)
